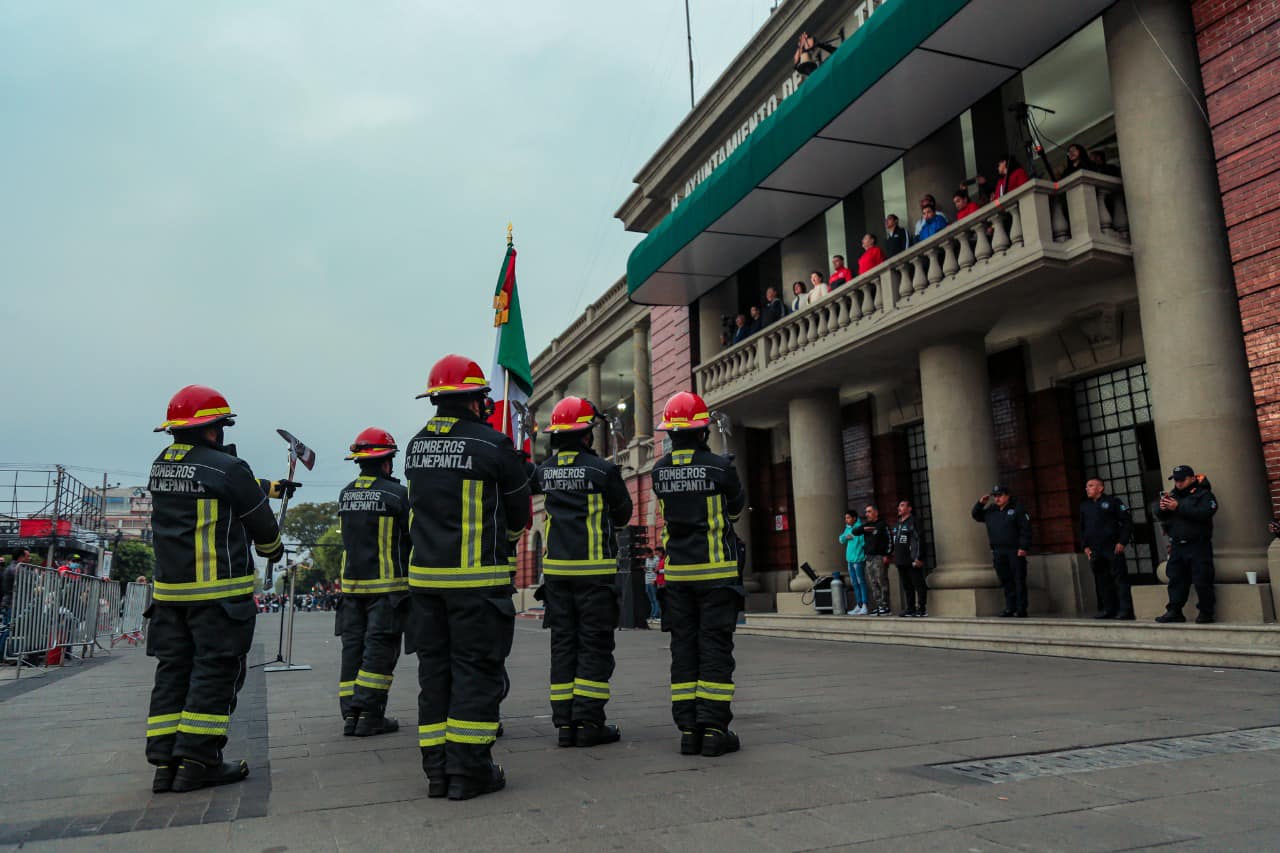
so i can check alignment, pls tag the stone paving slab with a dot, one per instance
(839, 747)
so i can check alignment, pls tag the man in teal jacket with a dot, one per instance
(855, 556)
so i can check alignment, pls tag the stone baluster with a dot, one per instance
(1120, 215)
(949, 265)
(885, 280)
(811, 327)
(1015, 226)
(1058, 213)
(935, 262)
(918, 280)
(847, 295)
(966, 251)
(1104, 211)
(859, 296)
(1000, 237)
(775, 344)
(982, 248)
(822, 317)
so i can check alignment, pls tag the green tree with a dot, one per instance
(326, 559)
(307, 522)
(131, 558)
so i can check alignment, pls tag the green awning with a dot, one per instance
(912, 67)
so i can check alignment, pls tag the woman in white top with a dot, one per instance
(820, 289)
(800, 299)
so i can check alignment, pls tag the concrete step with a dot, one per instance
(1236, 646)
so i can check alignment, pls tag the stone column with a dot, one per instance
(958, 433)
(738, 447)
(641, 386)
(817, 482)
(802, 253)
(1201, 397)
(593, 394)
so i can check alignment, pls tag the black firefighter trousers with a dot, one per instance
(200, 654)
(370, 629)
(462, 638)
(701, 620)
(582, 614)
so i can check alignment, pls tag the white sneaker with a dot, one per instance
(862, 610)
(853, 612)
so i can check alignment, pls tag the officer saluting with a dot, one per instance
(373, 512)
(585, 501)
(1105, 528)
(207, 508)
(469, 494)
(701, 498)
(1187, 514)
(1009, 533)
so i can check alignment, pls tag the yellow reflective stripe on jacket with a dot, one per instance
(591, 689)
(385, 565)
(451, 577)
(202, 590)
(346, 688)
(373, 680)
(203, 724)
(702, 571)
(595, 532)
(356, 586)
(562, 692)
(683, 691)
(176, 452)
(578, 568)
(472, 521)
(206, 540)
(470, 731)
(715, 530)
(666, 529)
(431, 734)
(163, 724)
(715, 691)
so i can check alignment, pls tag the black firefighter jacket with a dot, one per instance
(373, 512)
(586, 501)
(207, 507)
(469, 496)
(701, 497)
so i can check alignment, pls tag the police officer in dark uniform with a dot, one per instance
(207, 510)
(1105, 528)
(1009, 532)
(586, 501)
(373, 512)
(1187, 515)
(701, 498)
(469, 494)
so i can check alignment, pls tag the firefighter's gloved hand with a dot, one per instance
(280, 488)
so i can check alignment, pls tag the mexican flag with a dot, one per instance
(511, 377)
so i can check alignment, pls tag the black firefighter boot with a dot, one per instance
(567, 735)
(717, 742)
(376, 724)
(691, 741)
(595, 734)
(349, 724)
(466, 787)
(193, 775)
(433, 765)
(163, 781)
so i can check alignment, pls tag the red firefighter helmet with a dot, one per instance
(685, 411)
(373, 443)
(573, 414)
(454, 375)
(196, 405)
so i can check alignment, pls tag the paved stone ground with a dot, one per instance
(840, 746)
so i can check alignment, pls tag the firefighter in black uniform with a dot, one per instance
(208, 509)
(373, 511)
(469, 494)
(701, 498)
(1009, 533)
(1187, 514)
(586, 501)
(1105, 528)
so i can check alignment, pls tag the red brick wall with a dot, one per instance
(670, 362)
(1239, 44)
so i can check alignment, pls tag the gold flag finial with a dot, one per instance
(508, 233)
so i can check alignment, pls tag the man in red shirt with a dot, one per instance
(1011, 176)
(840, 273)
(964, 205)
(872, 256)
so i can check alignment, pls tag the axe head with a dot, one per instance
(300, 451)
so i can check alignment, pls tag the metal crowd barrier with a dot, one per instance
(67, 612)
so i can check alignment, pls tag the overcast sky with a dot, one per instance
(304, 204)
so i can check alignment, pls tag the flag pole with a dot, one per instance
(506, 401)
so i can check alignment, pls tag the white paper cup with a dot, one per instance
(1251, 577)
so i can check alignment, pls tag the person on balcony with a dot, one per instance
(774, 308)
(1078, 159)
(820, 289)
(757, 320)
(931, 221)
(965, 206)
(741, 331)
(895, 239)
(839, 272)
(1010, 176)
(871, 256)
(799, 297)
